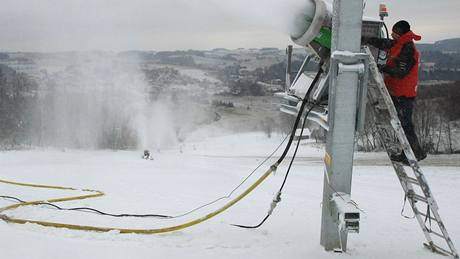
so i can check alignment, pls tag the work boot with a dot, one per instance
(420, 155)
(401, 158)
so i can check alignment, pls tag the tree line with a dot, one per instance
(18, 94)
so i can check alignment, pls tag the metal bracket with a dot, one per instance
(349, 62)
(357, 68)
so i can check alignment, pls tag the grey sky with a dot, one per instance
(59, 25)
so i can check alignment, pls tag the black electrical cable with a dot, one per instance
(285, 177)
(380, 51)
(89, 209)
(296, 148)
(12, 198)
(299, 115)
(238, 186)
(296, 123)
(386, 30)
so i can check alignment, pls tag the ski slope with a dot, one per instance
(199, 171)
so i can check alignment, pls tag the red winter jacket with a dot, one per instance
(405, 85)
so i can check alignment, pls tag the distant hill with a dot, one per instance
(442, 45)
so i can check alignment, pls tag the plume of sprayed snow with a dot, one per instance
(155, 125)
(101, 101)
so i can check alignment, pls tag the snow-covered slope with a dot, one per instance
(184, 177)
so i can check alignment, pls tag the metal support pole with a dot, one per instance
(343, 98)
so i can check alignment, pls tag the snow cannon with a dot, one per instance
(311, 27)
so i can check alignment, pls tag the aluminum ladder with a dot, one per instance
(416, 189)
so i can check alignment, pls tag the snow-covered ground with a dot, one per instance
(187, 176)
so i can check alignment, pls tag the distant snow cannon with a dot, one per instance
(311, 27)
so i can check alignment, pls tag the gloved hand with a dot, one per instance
(381, 67)
(364, 40)
(368, 40)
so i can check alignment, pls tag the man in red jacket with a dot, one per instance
(401, 77)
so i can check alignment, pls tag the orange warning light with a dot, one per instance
(383, 11)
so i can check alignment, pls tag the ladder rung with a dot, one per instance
(418, 197)
(436, 234)
(380, 107)
(426, 216)
(412, 180)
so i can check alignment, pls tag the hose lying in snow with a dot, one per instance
(94, 193)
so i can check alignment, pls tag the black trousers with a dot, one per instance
(404, 107)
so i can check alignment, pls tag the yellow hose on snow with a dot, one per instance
(95, 193)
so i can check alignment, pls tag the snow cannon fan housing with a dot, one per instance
(312, 27)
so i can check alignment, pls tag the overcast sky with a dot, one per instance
(62, 25)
